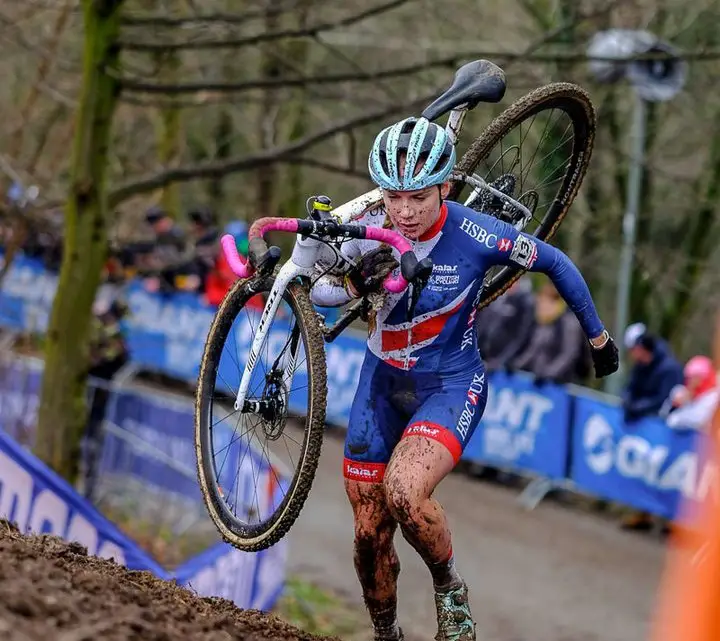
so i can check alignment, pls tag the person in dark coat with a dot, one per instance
(654, 373)
(505, 327)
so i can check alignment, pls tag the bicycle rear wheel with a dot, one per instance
(562, 119)
(256, 465)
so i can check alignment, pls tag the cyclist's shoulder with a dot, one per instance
(375, 217)
(483, 229)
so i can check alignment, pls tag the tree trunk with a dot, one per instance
(267, 121)
(62, 412)
(169, 132)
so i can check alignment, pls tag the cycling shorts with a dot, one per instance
(392, 404)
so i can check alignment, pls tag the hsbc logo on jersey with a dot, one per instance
(479, 233)
(505, 245)
(423, 430)
(473, 396)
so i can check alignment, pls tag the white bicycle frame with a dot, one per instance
(307, 251)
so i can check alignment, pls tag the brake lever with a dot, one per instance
(422, 272)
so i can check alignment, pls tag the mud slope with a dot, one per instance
(51, 590)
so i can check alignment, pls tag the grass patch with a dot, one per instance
(318, 611)
(156, 537)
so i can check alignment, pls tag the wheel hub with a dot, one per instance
(273, 403)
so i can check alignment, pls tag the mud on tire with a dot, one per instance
(261, 536)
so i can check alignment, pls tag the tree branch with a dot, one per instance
(152, 20)
(303, 161)
(283, 153)
(284, 83)
(253, 161)
(450, 61)
(247, 41)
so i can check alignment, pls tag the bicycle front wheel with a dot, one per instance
(256, 464)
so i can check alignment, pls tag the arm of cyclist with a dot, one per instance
(515, 249)
(366, 276)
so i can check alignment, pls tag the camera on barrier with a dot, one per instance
(654, 78)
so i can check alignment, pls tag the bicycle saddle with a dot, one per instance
(475, 82)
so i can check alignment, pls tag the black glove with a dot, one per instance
(368, 275)
(605, 359)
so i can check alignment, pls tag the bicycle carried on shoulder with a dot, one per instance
(258, 365)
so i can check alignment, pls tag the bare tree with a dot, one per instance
(62, 410)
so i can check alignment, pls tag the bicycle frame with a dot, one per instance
(306, 253)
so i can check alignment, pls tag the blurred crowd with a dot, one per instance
(535, 333)
(170, 257)
(175, 259)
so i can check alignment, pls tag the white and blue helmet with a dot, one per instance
(420, 140)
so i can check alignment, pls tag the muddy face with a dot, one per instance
(414, 212)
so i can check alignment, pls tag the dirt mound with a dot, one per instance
(52, 590)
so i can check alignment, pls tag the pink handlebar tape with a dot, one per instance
(242, 268)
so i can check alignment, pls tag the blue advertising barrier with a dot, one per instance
(216, 572)
(548, 431)
(167, 334)
(19, 395)
(644, 464)
(166, 459)
(26, 295)
(524, 427)
(38, 500)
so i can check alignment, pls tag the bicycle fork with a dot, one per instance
(288, 272)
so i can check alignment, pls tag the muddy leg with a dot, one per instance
(376, 561)
(417, 466)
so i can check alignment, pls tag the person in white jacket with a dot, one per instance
(694, 402)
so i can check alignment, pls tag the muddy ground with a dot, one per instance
(52, 591)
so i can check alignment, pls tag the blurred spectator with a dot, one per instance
(505, 327)
(168, 252)
(169, 238)
(654, 374)
(202, 222)
(192, 276)
(555, 352)
(693, 404)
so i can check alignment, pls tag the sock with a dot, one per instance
(385, 623)
(444, 574)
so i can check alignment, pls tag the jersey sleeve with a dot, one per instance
(329, 289)
(502, 244)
